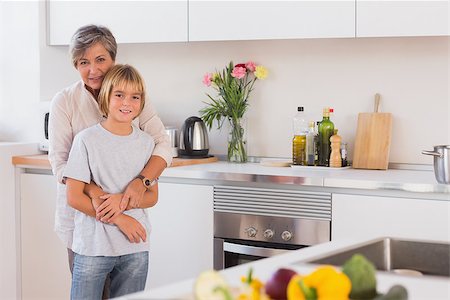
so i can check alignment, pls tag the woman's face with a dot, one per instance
(93, 66)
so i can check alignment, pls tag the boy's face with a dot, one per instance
(124, 104)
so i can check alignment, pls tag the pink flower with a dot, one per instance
(251, 66)
(240, 66)
(207, 79)
(239, 72)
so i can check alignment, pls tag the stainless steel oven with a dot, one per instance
(254, 223)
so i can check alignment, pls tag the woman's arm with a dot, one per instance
(149, 199)
(60, 135)
(135, 190)
(77, 199)
(160, 159)
(108, 212)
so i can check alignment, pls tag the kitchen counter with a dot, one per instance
(417, 184)
(419, 288)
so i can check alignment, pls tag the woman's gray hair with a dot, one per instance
(89, 35)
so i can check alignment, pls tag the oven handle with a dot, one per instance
(252, 250)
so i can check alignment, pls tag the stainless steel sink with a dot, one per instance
(396, 255)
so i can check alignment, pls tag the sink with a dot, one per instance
(400, 256)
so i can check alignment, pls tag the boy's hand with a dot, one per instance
(110, 208)
(132, 229)
(133, 194)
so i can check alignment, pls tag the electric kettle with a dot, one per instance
(193, 139)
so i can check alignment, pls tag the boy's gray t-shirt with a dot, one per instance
(111, 161)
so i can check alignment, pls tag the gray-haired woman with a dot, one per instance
(93, 49)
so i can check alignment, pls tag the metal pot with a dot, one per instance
(441, 155)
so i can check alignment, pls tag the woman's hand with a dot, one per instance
(133, 194)
(110, 208)
(132, 229)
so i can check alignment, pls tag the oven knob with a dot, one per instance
(251, 231)
(268, 233)
(286, 236)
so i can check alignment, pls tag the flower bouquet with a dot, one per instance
(233, 86)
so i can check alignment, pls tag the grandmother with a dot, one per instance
(93, 49)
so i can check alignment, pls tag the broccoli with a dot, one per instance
(362, 275)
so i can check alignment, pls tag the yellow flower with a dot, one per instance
(261, 72)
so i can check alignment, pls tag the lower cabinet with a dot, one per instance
(359, 216)
(45, 270)
(181, 241)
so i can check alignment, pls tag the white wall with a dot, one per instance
(411, 74)
(19, 71)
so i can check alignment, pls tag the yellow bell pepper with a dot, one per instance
(325, 283)
(294, 292)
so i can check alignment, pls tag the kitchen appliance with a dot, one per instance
(172, 132)
(252, 223)
(373, 139)
(43, 145)
(193, 139)
(441, 156)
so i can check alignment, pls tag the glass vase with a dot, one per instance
(237, 140)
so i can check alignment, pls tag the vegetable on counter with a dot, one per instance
(276, 286)
(324, 283)
(362, 275)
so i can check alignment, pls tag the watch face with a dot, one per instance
(147, 182)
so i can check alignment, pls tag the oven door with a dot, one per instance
(230, 253)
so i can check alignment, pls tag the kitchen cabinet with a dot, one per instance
(360, 216)
(129, 21)
(181, 241)
(401, 18)
(45, 270)
(252, 20)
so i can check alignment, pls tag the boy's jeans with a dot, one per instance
(128, 275)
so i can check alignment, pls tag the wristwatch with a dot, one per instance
(148, 183)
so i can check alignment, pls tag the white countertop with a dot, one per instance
(419, 288)
(392, 179)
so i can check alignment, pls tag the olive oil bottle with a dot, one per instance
(326, 130)
(299, 141)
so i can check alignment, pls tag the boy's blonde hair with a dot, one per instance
(122, 76)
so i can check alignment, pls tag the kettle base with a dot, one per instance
(194, 156)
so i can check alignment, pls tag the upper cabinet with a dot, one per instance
(214, 20)
(253, 20)
(130, 21)
(401, 18)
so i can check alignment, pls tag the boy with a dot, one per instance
(111, 154)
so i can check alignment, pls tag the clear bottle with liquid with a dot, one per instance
(300, 127)
(311, 140)
(326, 130)
(344, 152)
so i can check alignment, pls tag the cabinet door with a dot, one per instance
(357, 216)
(129, 21)
(181, 241)
(45, 268)
(401, 18)
(251, 20)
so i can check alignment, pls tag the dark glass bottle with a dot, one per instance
(326, 130)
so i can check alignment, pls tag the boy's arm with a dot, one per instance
(77, 199)
(108, 211)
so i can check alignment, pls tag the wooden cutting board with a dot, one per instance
(176, 161)
(373, 139)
